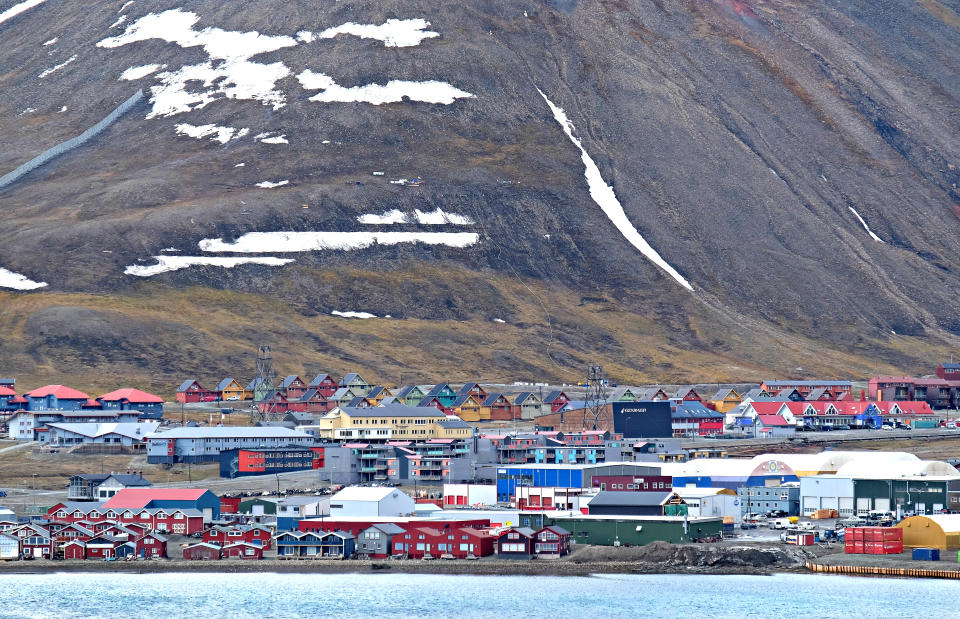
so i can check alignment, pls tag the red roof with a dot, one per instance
(137, 498)
(773, 420)
(18, 400)
(767, 408)
(58, 391)
(7, 391)
(131, 395)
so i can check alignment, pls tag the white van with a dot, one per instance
(780, 523)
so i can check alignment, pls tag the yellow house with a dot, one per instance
(231, 390)
(468, 409)
(391, 422)
(726, 400)
(378, 394)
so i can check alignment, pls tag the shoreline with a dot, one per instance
(452, 568)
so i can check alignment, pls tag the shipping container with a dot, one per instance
(892, 534)
(926, 554)
(891, 548)
(855, 533)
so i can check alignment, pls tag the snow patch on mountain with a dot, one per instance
(16, 281)
(394, 216)
(606, 199)
(16, 9)
(272, 185)
(865, 226)
(165, 264)
(282, 242)
(135, 73)
(394, 91)
(235, 76)
(51, 41)
(220, 134)
(393, 32)
(119, 22)
(353, 314)
(125, 5)
(439, 217)
(47, 72)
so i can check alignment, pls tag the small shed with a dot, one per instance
(75, 550)
(243, 550)
(201, 552)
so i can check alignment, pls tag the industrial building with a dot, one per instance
(268, 461)
(826, 492)
(763, 499)
(390, 422)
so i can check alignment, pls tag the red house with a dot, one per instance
(501, 409)
(474, 389)
(457, 543)
(102, 546)
(687, 394)
(243, 550)
(552, 542)
(325, 384)
(202, 552)
(313, 401)
(556, 400)
(250, 534)
(75, 550)
(293, 387)
(192, 391)
(152, 546)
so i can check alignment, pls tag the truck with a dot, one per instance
(780, 523)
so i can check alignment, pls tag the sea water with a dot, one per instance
(391, 596)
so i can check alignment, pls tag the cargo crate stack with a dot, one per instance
(873, 541)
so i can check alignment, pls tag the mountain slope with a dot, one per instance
(796, 164)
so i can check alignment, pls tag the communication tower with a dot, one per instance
(596, 398)
(264, 388)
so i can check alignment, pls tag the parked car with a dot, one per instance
(806, 526)
(776, 513)
(748, 524)
(886, 427)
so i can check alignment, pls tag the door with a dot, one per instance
(37, 552)
(882, 504)
(863, 506)
(846, 506)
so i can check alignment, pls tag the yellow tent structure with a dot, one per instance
(935, 531)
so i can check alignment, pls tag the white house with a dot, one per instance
(9, 547)
(710, 502)
(303, 507)
(359, 501)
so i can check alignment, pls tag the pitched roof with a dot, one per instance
(553, 395)
(773, 420)
(438, 389)
(4, 391)
(493, 397)
(136, 498)
(319, 378)
(289, 380)
(467, 388)
(58, 391)
(186, 384)
(363, 493)
(229, 432)
(223, 384)
(137, 431)
(131, 395)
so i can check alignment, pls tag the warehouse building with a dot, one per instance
(826, 492)
(362, 502)
(269, 460)
(905, 496)
(636, 531)
(205, 444)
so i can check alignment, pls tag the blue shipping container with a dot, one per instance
(926, 554)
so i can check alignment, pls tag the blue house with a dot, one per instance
(148, 405)
(315, 544)
(55, 398)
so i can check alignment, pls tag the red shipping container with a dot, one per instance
(892, 548)
(872, 534)
(856, 533)
(854, 548)
(892, 534)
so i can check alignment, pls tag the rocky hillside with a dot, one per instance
(682, 189)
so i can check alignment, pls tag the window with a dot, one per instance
(420, 546)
